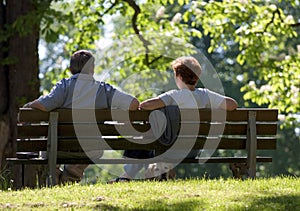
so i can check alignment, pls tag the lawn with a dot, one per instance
(280, 193)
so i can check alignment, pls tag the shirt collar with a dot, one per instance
(83, 76)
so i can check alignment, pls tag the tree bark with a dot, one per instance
(18, 81)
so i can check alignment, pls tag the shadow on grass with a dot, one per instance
(284, 202)
(189, 204)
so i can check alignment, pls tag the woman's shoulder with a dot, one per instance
(201, 90)
(172, 91)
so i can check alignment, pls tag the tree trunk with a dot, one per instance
(19, 79)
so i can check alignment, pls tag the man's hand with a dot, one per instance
(35, 104)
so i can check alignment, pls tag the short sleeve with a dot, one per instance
(167, 98)
(121, 100)
(215, 99)
(55, 98)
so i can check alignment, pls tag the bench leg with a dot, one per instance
(23, 175)
(29, 175)
(52, 147)
(239, 170)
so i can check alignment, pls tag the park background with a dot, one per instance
(254, 46)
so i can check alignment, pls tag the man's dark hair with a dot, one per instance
(78, 60)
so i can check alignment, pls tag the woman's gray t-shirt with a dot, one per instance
(199, 98)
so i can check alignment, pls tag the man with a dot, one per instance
(82, 91)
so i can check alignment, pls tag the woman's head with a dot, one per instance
(82, 61)
(188, 68)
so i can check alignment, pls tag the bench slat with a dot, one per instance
(133, 161)
(121, 143)
(240, 114)
(127, 130)
(65, 115)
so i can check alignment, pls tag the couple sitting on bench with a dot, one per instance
(83, 91)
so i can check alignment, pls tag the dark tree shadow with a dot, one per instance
(285, 202)
(151, 205)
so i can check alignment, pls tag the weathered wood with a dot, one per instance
(126, 130)
(247, 130)
(134, 161)
(64, 144)
(52, 146)
(238, 115)
(251, 144)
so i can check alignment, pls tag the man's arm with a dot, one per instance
(35, 104)
(134, 105)
(152, 104)
(229, 104)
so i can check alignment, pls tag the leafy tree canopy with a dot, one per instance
(265, 33)
(148, 34)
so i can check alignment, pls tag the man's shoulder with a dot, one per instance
(64, 80)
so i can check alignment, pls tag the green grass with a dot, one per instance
(199, 194)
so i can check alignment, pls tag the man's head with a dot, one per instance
(188, 68)
(82, 61)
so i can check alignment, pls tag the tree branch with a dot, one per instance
(272, 20)
(155, 59)
(277, 11)
(294, 25)
(279, 14)
(110, 8)
(145, 42)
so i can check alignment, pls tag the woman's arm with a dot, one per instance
(229, 104)
(152, 104)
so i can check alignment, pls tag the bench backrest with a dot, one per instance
(122, 130)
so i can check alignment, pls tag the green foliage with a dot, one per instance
(53, 64)
(252, 44)
(149, 54)
(261, 31)
(51, 78)
(79, 22)
(286, 160)
(264, 33)
(145, 34)
(127, 67)
(281, 88)
(5, 175)
(168, 39)
(26, 23)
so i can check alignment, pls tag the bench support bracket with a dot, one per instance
(251, 144)
(52, 147)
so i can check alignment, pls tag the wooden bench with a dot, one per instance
(62, 132)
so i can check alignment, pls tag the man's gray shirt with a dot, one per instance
(83, 91)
